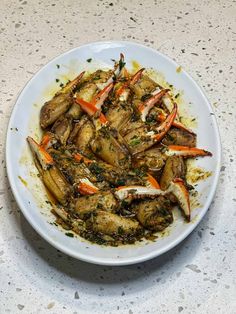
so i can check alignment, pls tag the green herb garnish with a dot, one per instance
(69, 234)
(120, 230)
(135, 141)
(121, 64)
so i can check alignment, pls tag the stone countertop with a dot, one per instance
(198, 276)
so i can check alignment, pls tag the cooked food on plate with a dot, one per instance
(113, 156)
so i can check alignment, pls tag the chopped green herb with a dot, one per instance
(95, 168)
(89, 60)
(120, 230)
(69, 234)
(120, 182)
(57, 80)
(121, 64)
(151, 118)
(177, 95)
(145, 97)
(61, 85)
(96, 78)
(135, 141)
(58, 66)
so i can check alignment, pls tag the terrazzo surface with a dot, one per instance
(198, 276)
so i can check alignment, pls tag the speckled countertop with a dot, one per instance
(198, 276)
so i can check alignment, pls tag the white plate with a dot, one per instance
(25, 117)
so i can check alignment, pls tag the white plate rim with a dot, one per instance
(131, 260)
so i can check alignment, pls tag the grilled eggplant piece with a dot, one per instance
(155, 214)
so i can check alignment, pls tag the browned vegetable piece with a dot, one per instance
(86, 205)
(174, 168)
(154, 214)
(180, 137)
(112, 224)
